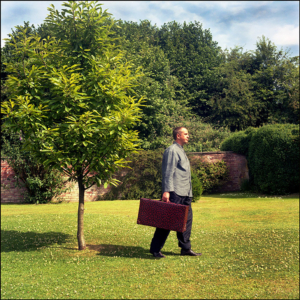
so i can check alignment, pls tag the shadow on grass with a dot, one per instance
(124, 251)
(12, 240)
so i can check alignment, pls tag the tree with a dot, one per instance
(255, 88)
(178, 61)
(289, 98)
(233, 103)
(71, 101)
(193, 56)
(276, 81)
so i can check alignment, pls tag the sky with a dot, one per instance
(231, 23)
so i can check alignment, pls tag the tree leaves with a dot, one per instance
(87, 130)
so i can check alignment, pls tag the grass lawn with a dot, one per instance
(249, 245)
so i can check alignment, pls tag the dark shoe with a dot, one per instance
(157, 254)
(190, 253)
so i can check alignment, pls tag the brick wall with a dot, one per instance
(91, 194)
(237, 165)
(9, 193)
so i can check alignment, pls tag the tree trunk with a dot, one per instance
(80, 236)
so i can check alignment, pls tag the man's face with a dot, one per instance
(182, 137)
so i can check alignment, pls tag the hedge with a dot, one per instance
(239, 141)
(274, 159)
(272, 152)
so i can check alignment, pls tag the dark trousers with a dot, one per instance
(160, 235)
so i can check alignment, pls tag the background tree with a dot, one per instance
(255, 88)
(233, 103)
(289, 98)
(203, 136)
(276, 83)
(193, 55)
(72, 101)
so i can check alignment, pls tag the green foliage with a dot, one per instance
(274, 159)
(238, 142)
(142, 180)
(188, 54)
(203, 137)
(41, 185)
(197, 187)
(211, 175)
(273, 156)
(229, 89)
(42, 189)
(276, 87)
(71, 95)
(193, 56)
(8, 53)
(255, 88)
(171, 80)
(246, 186)
(184, 71)
(232, 102)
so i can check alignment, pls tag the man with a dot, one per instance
(176, 188)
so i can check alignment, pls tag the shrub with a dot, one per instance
(197, 187)
(272, 152)
(211, 175)
(144, 178)
(41, 185)
(274, 159)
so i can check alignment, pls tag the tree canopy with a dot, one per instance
(255, 88)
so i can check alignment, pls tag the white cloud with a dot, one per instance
(246, 34)
(14, 13)
(286, 35)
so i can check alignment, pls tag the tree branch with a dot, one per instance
(89, 186)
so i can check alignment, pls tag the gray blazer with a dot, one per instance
(176, 171)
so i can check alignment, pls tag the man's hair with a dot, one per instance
(176, 131)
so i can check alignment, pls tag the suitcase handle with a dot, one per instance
(165, 201)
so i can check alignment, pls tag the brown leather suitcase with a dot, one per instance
(164, 215)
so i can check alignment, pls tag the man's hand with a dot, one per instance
(165, 197)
